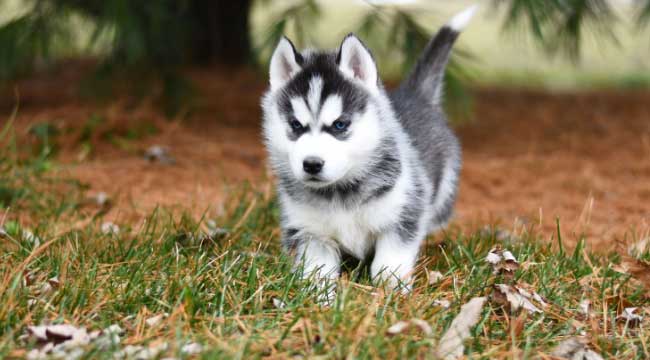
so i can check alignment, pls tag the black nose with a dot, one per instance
(312, 165)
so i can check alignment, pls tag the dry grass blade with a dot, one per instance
(451, 343)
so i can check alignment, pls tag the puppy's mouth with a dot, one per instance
(320, 182)
(315, 181)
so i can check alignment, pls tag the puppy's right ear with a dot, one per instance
(285, 63)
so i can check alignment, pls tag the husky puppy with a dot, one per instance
(360, 171)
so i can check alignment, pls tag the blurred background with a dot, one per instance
(156, 103)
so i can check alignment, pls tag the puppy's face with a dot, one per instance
(321, 123)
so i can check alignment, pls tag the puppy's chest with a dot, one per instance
(353, 229)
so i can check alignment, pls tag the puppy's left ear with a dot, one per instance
(356, 62)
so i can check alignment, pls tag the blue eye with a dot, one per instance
(340, 125)
(295, 124)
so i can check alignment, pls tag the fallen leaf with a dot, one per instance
(434, 276)
(398, 327)
(279, 304)
(54, 282)
(45, 289)
(100, 199)
(192, 348)
(513, 298)
(31, 238)
(56, 333)
(507, 256)
(494, 256)
(141, 352)
(65, 341)
(451, 344)
(639, 248)
(109, 228)
(528, 292)
(502, 261)
(157, 153)
(443, 303)
(155, 320)
(584, 307)
(575, 349)
(623, 268)
(630, 317)
(402, 326)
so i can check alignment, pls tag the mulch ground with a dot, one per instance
(530, 157)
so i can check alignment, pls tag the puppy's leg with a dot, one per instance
(322, 261)
(394, 260)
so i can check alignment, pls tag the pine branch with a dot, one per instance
(560, 25)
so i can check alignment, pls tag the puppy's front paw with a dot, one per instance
(393, 262)
(326, 292)
(393, 280)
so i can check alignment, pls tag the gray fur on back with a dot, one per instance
(417, 104)
(434, 141)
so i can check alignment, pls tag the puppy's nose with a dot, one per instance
(312, 165)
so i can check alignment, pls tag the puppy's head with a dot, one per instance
(321, 119)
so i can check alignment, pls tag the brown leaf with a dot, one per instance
(575, 349)
(513, 298)
(451, 344)
(502, 261)
(403, 326)
(630, 317)
(434, 276)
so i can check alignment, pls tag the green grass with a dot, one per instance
(219, 291)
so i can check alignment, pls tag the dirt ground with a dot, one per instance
(529, 156)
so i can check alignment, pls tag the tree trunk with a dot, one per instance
(221, 32)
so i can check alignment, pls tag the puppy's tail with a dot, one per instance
(427, 75)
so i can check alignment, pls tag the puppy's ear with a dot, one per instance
(285, 63)
(356, 62)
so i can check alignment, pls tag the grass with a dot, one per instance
(223, 291)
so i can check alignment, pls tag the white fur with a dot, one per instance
(394, 260)
(354, 229)
(331, 227)
(460, 21)
(322, 260)
(300, 111)
(331, 110)
(357, 230)
(315, 89)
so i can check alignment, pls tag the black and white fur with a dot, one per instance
(360, 171)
